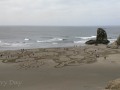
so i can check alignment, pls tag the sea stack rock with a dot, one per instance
(101, 35)
(100, 39)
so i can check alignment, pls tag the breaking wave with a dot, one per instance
(50, 40)
(91, 37)
(13, 44)
(26, 39)
(84, 39)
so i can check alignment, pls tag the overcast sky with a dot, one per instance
(60, 12)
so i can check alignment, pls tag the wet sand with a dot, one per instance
(72, 75)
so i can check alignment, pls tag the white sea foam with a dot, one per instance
(54, 43)
(13, 44)
(26, 39)
(83, 39)
(19, 45)
(50, 40)
(91, 37)
(81, 42)
(112, 40)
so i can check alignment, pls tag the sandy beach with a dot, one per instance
(65, 68)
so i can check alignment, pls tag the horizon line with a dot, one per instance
(61, 25)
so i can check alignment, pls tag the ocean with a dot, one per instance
(27, 37)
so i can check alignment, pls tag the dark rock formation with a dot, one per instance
(91, 42)
(101, 37)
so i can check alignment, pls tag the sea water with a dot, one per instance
(19, 37)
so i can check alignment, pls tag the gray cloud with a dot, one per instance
(59, 12)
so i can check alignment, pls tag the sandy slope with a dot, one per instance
(73, 68)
